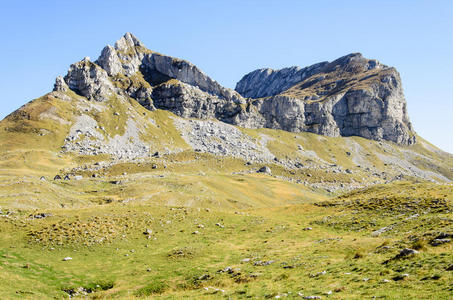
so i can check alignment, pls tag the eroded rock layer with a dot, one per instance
(350, 96)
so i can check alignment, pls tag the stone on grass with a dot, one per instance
(265, 169)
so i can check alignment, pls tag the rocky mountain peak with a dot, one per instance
(354, 63)
(352, 95)
(127, 42)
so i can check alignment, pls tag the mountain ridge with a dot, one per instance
(374, 110)
(136, 112)
(124, 182)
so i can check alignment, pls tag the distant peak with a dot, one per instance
(127, 41)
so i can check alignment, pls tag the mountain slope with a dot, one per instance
(132, 179)
(122, 108)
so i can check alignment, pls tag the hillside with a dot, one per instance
(173, 186)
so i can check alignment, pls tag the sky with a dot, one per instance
(227, 39)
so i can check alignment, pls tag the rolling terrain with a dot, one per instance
(139, 176)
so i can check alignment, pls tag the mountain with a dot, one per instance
(138, 175)
(351, 96)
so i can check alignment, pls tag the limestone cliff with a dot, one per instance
(349, 96)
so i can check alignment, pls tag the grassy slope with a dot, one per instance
(176, 263)
(101, 225)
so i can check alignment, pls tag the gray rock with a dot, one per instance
(351, 96)
(41, 215)
(110, 61)
(89, 80)
(438, 242)
(265, 169)
(268, 82)
(406, 252)
(374, 108)
(60, 85)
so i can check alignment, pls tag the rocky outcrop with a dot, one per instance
(110, 61)
(89, 80)
(60, 85)
(156, 64)
(268, 82)
(349, 96)
(189, 101)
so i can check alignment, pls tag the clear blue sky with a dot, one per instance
(228, 39)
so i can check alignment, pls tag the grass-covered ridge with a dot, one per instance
(181, 223)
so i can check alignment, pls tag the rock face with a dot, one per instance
(350, 96)
(268, 82)
(89, 80)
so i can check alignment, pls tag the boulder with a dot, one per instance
(265, 169)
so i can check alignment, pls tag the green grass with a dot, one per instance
(199, 226)
(172, 262)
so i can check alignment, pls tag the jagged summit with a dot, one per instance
(352, 95)
(128, 41)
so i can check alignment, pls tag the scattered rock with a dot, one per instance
(438, 242)
(407, 252)
(380, 231)
(318, 274)
(41, 215)
(400, 277)
(263, 263)
(265, 169)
